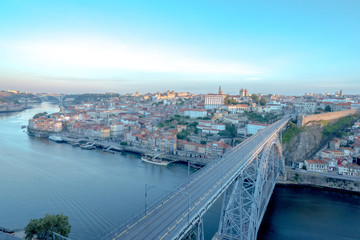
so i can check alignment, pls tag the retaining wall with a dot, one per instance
(303, 120)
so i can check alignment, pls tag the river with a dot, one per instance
(100, 190)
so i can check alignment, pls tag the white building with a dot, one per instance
(210, 127)
(306, 107)
(316, 165)
(195, 113)
(253, 128)
(116, 129)
(213, 101)
(239, 108)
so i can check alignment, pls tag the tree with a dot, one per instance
(262, 101)
(44, 227)
(327, 108)
(182, 135)
(255, 98)
(39, 115)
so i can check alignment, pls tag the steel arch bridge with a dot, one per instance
(246, 175)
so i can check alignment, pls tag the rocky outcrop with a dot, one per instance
(302, 144)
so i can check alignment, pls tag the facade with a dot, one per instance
(210, 127)
(239, 108)
(195, 113)
(116, 130)
(213, 101)
(306, 107)
(253, 128)
(215, 149)
(45, 124)
(244, 92)
(316, 165)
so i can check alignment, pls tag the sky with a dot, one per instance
(270, 46)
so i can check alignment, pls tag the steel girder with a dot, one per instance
(245, 201)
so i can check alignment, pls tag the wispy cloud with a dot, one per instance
(87, 53)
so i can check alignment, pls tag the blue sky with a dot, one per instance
(286, 47)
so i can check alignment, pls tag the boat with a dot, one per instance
(55, 138)
(154, 160)
(87, 147)
(75, 144)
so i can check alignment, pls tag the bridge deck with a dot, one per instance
(178, 211)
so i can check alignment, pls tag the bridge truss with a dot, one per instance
(246, 199)
(245, 175)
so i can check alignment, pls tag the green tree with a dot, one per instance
(327, 108)
(255, 98)
(39, 115)
(43, 228)
(262, 101)
(183, 134)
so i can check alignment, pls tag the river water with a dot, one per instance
(98, 190)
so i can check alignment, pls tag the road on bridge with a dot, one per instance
(174, 215)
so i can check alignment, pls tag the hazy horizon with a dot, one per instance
(278, 47)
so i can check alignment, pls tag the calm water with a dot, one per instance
(99, 190)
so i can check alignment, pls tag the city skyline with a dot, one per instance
(279, 47)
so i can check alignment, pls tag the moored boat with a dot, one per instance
(87, 147)
(154, 160)
(56, 138)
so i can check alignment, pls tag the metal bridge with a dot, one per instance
(246, 175)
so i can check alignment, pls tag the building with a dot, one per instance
(213, 101)
(239, 108)
(316, 165)
(216, 149)
(45, 124)
(210, 127)
(116, 130)
(306, 107)
(253, 128)
(195, 113)
(220, 91)
(244, 92)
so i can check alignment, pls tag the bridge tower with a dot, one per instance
(246, 199)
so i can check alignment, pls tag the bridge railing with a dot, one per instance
(180, 188)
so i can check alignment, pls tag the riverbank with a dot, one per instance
(112, 147)
(316, 187)
(300, 179)
(15, 110)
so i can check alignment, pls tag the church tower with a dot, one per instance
(220, 91)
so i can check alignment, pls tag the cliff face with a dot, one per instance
(302, 144)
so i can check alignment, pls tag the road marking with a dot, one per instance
(219, 162)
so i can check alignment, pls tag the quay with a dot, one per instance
(111, 147)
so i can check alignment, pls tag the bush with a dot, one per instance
(291, 132)
(332, 128)
(44, 227)
(40, 115)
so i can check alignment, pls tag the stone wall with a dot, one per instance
(317, 179)
(303, 120)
